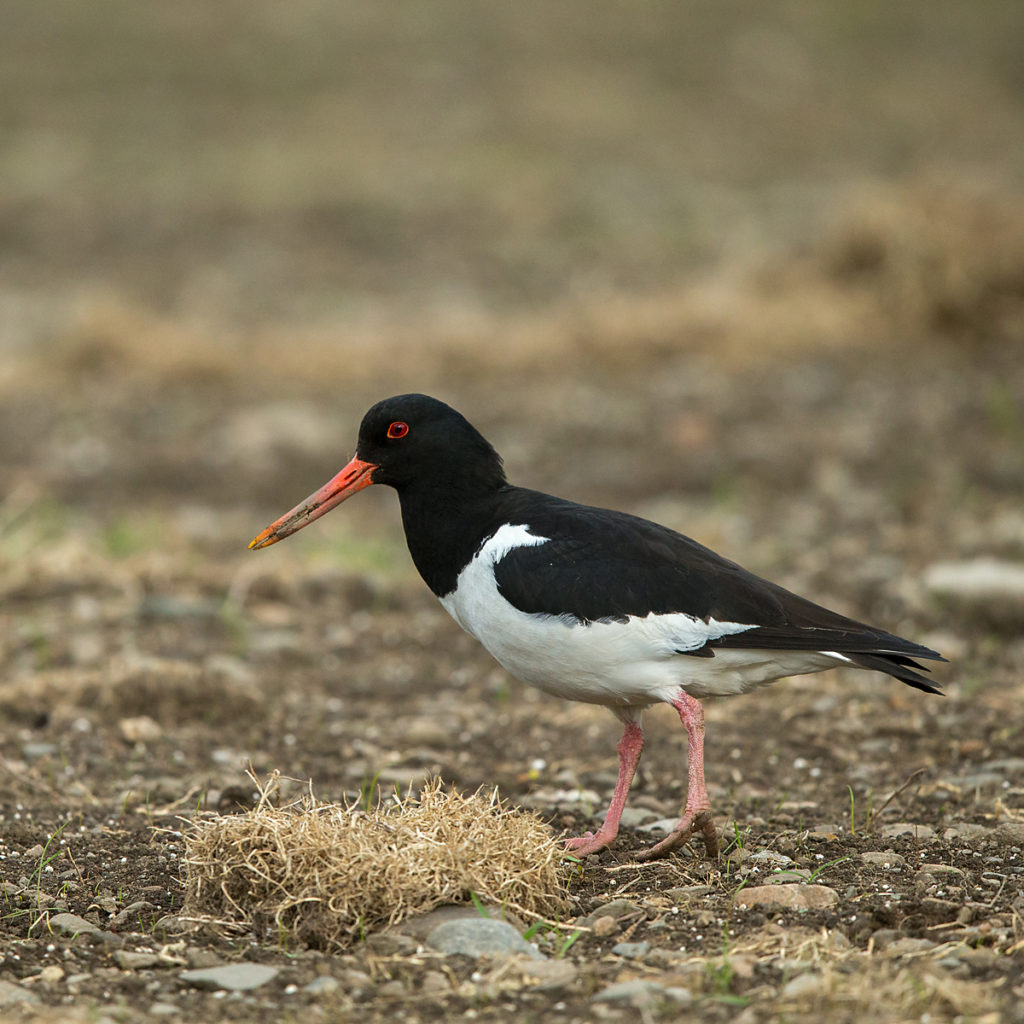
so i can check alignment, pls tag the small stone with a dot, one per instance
(803, 985)
(239, 977)
(909, 947)
(323, 985)
(131, 960)
(787, 877)
(616, 909)
(171, 924)
(478, 936)
(634, 817)
(139, 729)
(38, 749)
(605, 926)
(434, 983)
(682, 893)
(991, 588)
(772, 858)
(967, 830)
(631, 950)
(906, 828)
(419, 927)
(34, 852)
(636, 993)
(548, 975)
(164, 1010)
(51, 974)
(797, 897)
(72, 924)
(1010, 833)
(886, 859)
(135, 914)
(11, 995)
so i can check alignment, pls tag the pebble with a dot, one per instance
(130, 960)
(809, 984)
(771, 857)
(635, 817)
(615, 909)
(605, 926)
(548, 975)
(51, 974)
(239, 977)
(323, 985)
(1011, 833)
(133, 914)
(886, 859)
(631, 950)
(72, 924)
(641, 993)
(11, 995)
(420, 926)
(991, 588)
(909, 947)
(478, 936)
(798, 897)
(164, 1010)
(906, 828)
(967, 830)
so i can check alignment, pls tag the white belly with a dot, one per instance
(632, 663)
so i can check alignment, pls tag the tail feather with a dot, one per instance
(899, 666)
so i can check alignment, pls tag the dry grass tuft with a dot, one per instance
(325, 875)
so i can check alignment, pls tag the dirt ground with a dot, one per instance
(813, 362)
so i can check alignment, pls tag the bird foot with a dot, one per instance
(589, 842)
(691, 824)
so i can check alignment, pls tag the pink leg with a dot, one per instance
(697, 815)
(630, 747)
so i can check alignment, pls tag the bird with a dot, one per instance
(592, 604)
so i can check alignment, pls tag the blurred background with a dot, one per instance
(755, 270)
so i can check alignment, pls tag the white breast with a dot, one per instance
(615, 663)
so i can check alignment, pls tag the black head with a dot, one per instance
(417, 441)
(416, 444)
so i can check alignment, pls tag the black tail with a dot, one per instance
(900, 667)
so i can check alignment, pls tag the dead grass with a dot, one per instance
(325, 875)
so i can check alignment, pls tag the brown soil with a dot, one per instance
(831, 395)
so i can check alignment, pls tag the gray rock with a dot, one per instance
(636, 993)
(72, 924)
(477, 936)
(771, 858)
(164, 1010)
(418, 928)
(989, 587)
(323, 985)
(130, 960)
(12, 995)
(634, 817)
(797, 897)
(883, 859)
(967, 830)
(240, 977)
(803, 985)
(1010, 833)
(134, 915)
(616, 909)
(550, 975)
(631, 950)
(906, 828)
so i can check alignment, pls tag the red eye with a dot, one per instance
(398, 429)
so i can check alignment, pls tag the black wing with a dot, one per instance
(600, 565)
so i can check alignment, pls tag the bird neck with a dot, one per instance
(445, 526)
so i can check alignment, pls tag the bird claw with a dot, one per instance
(701, 822)
(589, 842)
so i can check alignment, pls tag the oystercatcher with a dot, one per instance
(591, 604)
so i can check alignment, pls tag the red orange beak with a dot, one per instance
(354, 477)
